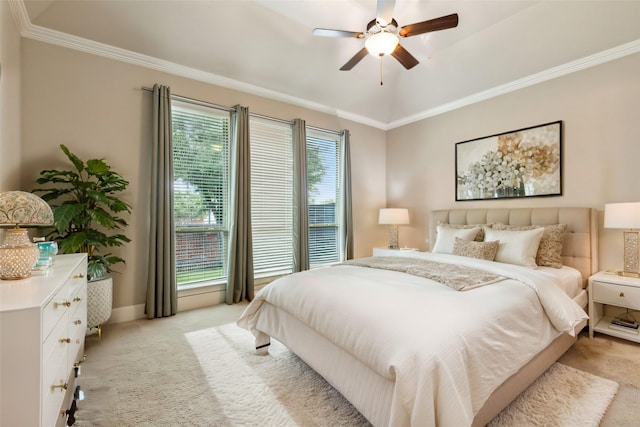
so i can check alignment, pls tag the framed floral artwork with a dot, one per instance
(522, 163)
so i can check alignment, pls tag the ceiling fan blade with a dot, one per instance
(404, 57)
(385, 10)
(324, 32)
(355, 59)
(436, 24)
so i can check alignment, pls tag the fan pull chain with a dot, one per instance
(381, 71)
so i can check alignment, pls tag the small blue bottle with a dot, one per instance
(47, 252)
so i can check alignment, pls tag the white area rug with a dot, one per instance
(562, 396)
(212, 377)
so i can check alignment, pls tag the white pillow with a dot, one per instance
(516, 247)
(446, 238)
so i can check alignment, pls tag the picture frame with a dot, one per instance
(521, 163)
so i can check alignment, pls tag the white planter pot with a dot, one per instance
(99, 303)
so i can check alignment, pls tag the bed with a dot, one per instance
(406, 350)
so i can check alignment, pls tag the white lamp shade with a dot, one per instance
(622, 215)
(393, 216)
(19, 208)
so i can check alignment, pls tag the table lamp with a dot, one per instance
(393, 217)
(20, 209)
(626, 216)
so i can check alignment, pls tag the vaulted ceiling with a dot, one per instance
(266, 47)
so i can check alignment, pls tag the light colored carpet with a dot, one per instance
(212, 377)
(615, 359)
(562, 396)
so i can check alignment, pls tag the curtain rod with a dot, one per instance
(337, 132)
(220, 107)
(260, 116)
(194, 101)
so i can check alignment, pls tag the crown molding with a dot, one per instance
(35, 32)
(19, 12)
(543, 76)
(47, 35)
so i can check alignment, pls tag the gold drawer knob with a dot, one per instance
(77, 322)
(64, 303)
(62, 386)
(65, 340)
(78, 276)
(77, 299)
(622, 294)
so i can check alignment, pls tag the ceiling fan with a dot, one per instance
(381, 35)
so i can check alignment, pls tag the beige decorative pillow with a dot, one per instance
(516, 247)
(551, 244)
(479, 236)
(473, 249)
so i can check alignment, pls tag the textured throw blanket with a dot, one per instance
(458, 277)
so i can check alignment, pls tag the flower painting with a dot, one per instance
(522, 163)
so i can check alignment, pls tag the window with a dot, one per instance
(201, 189)
(325, 204)
(201, 181)
(271, 196)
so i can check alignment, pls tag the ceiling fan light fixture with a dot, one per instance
(382, 43)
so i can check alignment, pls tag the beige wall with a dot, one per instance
(9, 100)
(601, 148)
(95, 106)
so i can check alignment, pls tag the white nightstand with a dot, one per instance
(390, 252)
(610, 289)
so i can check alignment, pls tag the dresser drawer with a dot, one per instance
(55, 351)
(53, 393)
(77, 324)
(55, 310)
(77, 280)
(614, 294)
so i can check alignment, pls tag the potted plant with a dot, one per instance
(86, 207)
(86, 212)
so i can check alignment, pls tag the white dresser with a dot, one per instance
(42, 329)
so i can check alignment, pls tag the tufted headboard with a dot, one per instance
(580, 249)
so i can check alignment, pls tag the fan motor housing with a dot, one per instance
(374, 27)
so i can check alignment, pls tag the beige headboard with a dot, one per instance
(581, 245)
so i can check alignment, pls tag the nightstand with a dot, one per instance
(611, 290)
(390, 252)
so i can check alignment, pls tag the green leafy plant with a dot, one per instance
(86, 210)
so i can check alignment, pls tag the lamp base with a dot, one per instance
(631, 254)
(393, 237)
(628, 274)
(16, 277)
(17, 255)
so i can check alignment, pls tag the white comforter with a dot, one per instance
(446, 350)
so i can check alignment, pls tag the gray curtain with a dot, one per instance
(300, 198)
(347, 216)
(161, 280)
(240, 259)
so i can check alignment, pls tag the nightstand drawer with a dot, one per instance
(614, 294)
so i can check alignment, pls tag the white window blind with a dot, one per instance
(201, 188)
(323, 174)
(271, 196)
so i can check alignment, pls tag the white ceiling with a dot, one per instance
(266, 46)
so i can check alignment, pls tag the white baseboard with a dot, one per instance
(186, 301)
(126, 314)
(200, 300)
